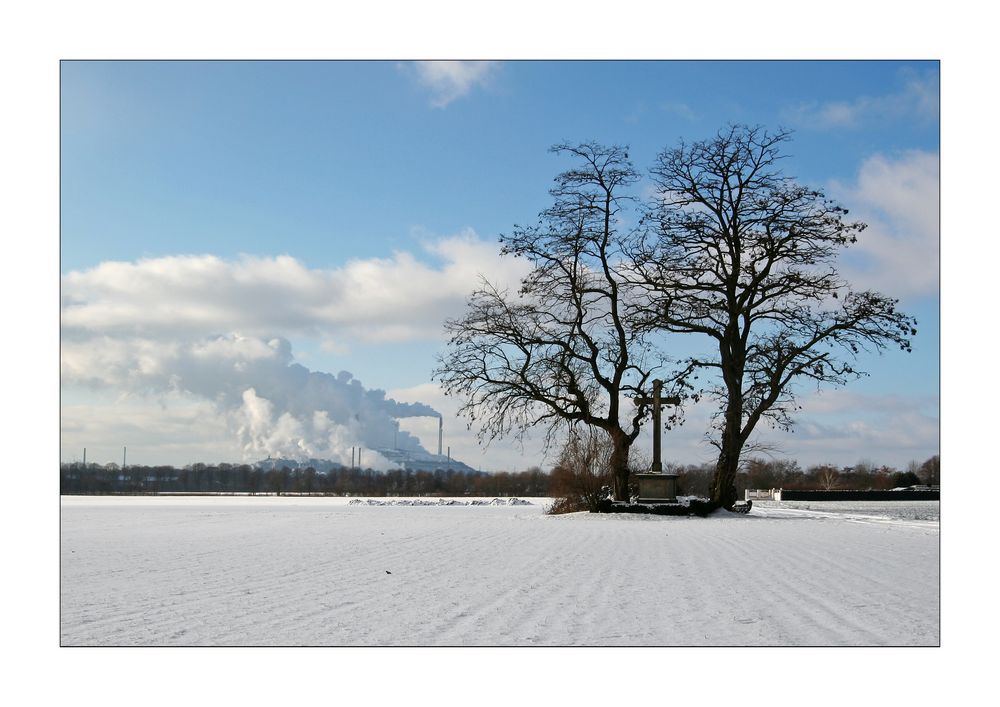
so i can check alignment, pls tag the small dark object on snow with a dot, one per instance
(388, 572)
(694, 507)
(742, 507)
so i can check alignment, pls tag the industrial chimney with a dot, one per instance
(440, 433)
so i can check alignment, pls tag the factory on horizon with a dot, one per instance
(407, 459)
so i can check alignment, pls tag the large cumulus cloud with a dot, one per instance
(205, 328)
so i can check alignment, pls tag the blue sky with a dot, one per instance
(331, 214)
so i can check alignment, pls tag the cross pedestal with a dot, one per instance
(655, 486)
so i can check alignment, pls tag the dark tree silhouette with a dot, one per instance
(745, 256)
(561, 350)
(930, 471)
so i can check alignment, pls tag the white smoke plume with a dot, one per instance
(162, 329)
(275, 407)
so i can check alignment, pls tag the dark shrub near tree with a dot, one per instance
(582, 476)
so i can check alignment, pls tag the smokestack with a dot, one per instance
(352, 458)
(84, 457)
(124, 449)
(440, 433)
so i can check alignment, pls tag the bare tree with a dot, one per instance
(745, 256)
(930, 471)
(828, 478)
(561, 350)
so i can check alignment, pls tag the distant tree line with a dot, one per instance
(581, 473)
(758, 473)
(243, 478)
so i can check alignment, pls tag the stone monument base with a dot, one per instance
(657, 488)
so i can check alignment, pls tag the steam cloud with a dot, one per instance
(276, 407)
(205, 326)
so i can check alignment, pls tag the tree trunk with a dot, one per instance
(724, 483)
(620, 445)
(732, 351)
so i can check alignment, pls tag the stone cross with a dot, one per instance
(657, 402)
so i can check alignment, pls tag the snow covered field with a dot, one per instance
(898, 510)
(321, 571)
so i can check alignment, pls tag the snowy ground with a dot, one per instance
(862, 510)
(320, 571)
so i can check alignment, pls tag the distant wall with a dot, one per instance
(791, 495)
(761, 494)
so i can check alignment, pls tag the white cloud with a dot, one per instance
(162, 332)
(379, 299)
(842, 426)
(917, 99)
(450, 80)
(898, 197)
(681, 110)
